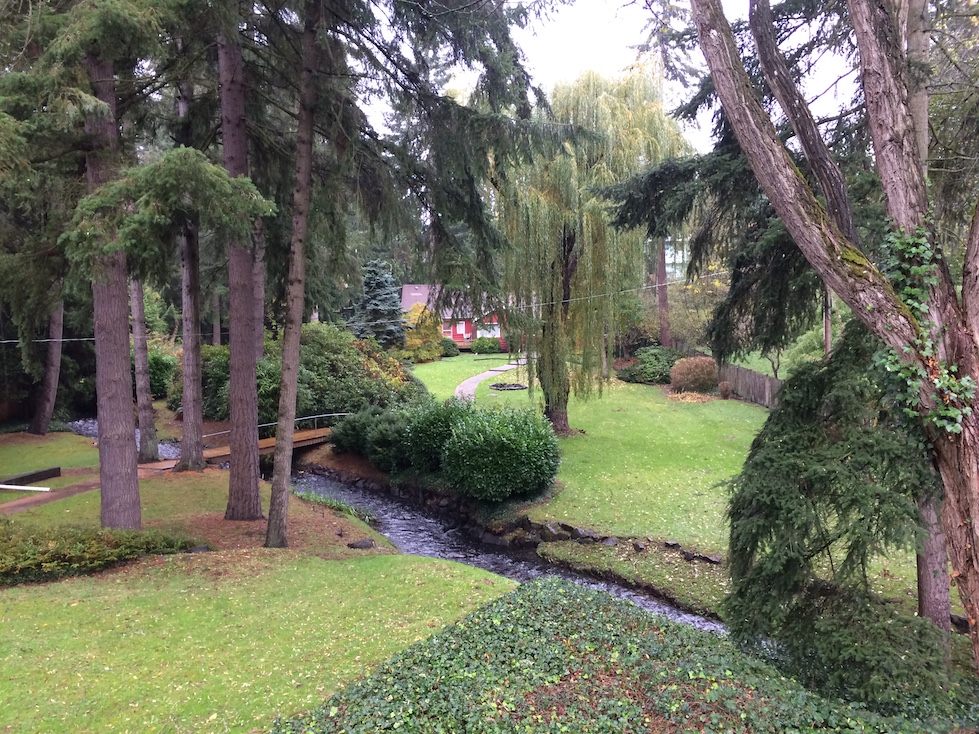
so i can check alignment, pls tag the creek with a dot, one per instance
(419, 531)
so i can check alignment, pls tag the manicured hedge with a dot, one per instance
(486, 454)
(694, 374)
(486, 345)
(496, 454)
(555, 657)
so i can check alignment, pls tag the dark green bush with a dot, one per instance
(29, 554)
(386, 441)
(215, 377)
(694, 374)
(486, 345)
(496, 454)
(653, 365)
(349, 435)
(854, 646)
(429, 429)
(161, 366)
(449, 347)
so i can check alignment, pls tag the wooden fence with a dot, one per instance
(750, 385)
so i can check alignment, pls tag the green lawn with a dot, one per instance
(23, 452)
(173, 651)
(442, 377)
(646, 465)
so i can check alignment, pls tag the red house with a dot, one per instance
(462, 328)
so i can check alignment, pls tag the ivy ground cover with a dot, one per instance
(554, 657)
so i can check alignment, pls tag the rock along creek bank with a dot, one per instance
(436, 526)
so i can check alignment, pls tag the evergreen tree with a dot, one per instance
(378, 313)
(928, 322)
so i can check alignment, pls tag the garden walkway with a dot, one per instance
(467, 388)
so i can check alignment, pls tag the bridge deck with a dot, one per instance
(311, 437)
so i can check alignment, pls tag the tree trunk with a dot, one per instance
(149, 448)
(934, 601)
(192, 410)
(663, 298)
(110, 302)
(276, 535)
(848, 273)
(827, 321)
(244, 500)
(192, 421)
(552, 370)
(48, 397)
(958, 463)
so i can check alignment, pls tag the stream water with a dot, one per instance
(419, 532)
(415, 530)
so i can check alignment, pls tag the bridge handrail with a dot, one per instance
(303, 418)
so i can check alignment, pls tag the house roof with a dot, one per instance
(412, 293)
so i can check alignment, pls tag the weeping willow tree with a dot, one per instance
(568, 269)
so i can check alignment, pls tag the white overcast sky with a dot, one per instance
(595, 35)
(603, 36)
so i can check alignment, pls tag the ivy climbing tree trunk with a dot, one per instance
(110, 300)
(48, 397)
(244, 500)
(276, 535)
(149, 449)
(935, 336)
(933, 591)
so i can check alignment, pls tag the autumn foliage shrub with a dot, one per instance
(423, 342)
(337, 374)
(694, 374)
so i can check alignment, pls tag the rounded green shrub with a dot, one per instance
(694, 374)
(493, 455)
(429, 429)
(349, 435)
(162, 366)
(449, 347)
(386, 441)
(486, 345)
(652, 365)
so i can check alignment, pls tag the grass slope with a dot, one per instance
(650, 467)
(215, 644)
